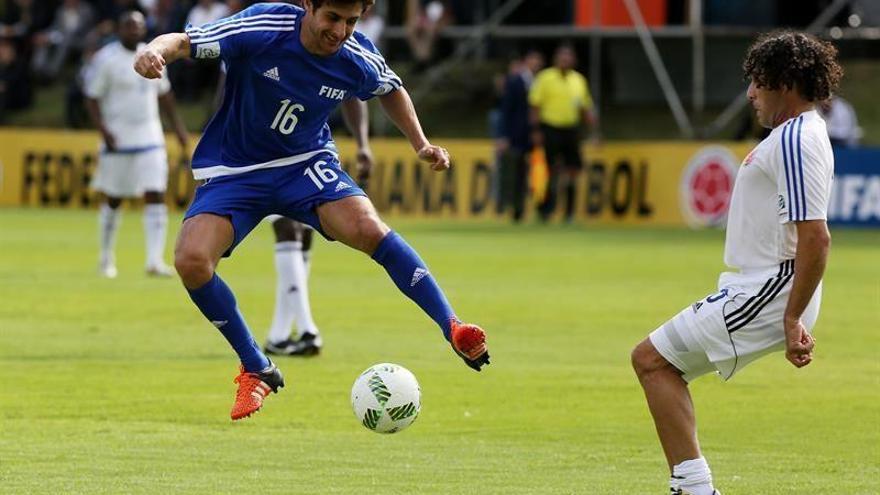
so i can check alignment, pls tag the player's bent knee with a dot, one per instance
(194, 267)
(366, 232)
(645, 358)
(372, 231)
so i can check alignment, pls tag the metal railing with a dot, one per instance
(472, 38)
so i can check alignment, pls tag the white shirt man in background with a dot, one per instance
(206, 11)
(777, 241)
(840, 117)
(133, 162)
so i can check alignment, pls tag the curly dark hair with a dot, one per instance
(794, 60)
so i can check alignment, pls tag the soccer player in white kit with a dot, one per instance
(133, 162)
(293, 242)
(777, 243)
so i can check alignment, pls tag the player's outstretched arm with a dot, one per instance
(168, 106)
(399, 108)
(357, 119)
(152, 59)
(94, 110)
(811, 256)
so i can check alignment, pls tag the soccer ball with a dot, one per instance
(386, 398)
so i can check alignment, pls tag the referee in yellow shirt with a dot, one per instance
(560, 104)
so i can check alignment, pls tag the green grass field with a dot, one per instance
(121, 387)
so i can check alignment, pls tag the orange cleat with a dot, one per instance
(253, 388)
(469, 342)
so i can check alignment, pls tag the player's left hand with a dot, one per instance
(799, 343)
(436, 156)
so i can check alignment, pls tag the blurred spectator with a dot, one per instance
(14, 20)
(499, 178)
(205, 11)
(235, 6)
(165, 16)
(372, 25)
(425, 19)
(75, 114)
(191, 77)
(514, 142)
(111, 10)
(840, 118)
(560, 104)
(22, 18)
(67, 34)
(15, 89)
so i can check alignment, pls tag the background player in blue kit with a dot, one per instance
(268, 150)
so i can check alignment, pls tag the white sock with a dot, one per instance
(282, 321)
(307, 261)
(155, 227)
(302, 308)
(108, 224)
(692, 477)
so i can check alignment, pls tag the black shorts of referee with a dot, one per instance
(562, 145)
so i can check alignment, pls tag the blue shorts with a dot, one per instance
(293, 191)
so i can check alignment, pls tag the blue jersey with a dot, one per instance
(278, 96)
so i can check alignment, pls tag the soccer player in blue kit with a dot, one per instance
(268, 150)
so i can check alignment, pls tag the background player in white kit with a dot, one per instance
(293, 242)
(777, 240)
(125, 109)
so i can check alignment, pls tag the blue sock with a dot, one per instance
(411, 276)
(216, 301)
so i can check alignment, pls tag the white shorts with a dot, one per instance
(728, 330)
(275, 218)
(126, 175)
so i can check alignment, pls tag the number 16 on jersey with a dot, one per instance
(286, 120)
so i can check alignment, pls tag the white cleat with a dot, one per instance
(107, 270)
(160, 270)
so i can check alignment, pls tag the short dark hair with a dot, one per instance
(366, 3)
(792, 59)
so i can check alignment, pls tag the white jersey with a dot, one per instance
(785, 179)
(129, 103)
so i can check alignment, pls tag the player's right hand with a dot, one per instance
(109, 140)
(364, 159)
(799, 344)
(436, 156)
(149, 63)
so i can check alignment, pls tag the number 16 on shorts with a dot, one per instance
(321, 173)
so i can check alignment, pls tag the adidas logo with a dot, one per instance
(272, 74)
(419, 274)
(342, 186)
(219, 323)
